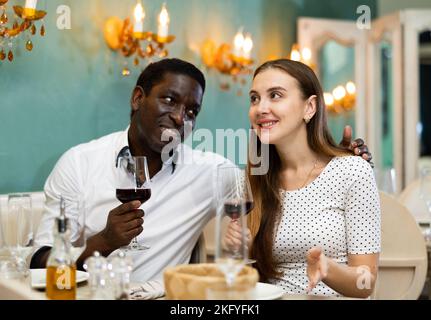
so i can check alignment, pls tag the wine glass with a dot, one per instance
(133, 183)
(425, 194)
(235, 202)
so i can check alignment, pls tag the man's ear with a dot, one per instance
(137, 95)
(310, 107)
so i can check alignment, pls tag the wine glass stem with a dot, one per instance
(230, 278)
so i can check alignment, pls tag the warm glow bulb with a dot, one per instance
(339, 93)
(238, 43)
(164, 16)
(351, 88)
(163, 28)
(247, 46)
(139, 12)
(239, 40)
(329, 99)
(295, 55)
(306, 54)
(30, 4)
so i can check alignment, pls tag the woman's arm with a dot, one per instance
(356, 279)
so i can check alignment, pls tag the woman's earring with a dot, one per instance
(307, 120)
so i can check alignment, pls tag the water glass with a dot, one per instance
(16, 236)
(386, 180)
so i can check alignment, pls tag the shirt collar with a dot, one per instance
(123, 149)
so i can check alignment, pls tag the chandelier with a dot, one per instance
(342, 98)
(23, 23)
(233, 61)
(130, 39)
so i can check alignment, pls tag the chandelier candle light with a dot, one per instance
(138, 26)
(342, 98)
(230, 60)
(28, 15)
(162, 33)
(30, 8)
(132, 38)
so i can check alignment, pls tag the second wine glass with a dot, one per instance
(133, 183)
(235, 201)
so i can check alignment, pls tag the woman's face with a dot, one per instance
(277, 108)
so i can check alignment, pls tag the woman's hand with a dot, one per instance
(233, 238)
(317, 267)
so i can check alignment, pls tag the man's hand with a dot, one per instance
(317, 267)
(124, 223)
(358, 146)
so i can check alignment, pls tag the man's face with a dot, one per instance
(174, 100)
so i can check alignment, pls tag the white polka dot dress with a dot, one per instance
(339, 211)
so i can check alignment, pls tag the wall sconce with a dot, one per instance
(131, 39)
(303, 56)
(24, 20)
(341, 99)
(229, 60)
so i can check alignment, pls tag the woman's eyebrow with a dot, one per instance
(276, 89)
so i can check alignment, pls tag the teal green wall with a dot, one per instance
(68, 89)
(390, 6)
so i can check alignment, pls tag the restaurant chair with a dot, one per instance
(403, 258)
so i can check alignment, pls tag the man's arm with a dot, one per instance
(123, 224)
(40, 257)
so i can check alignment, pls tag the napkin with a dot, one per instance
(149, 290)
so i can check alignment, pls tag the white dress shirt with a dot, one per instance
(182, 200)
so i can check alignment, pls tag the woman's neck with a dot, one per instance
(295, 152)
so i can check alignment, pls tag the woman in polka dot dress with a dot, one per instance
(315, 227)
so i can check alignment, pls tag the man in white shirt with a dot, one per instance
(168, 94)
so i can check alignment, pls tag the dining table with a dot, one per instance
(84, 293)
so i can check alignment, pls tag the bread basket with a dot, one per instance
(191, 281)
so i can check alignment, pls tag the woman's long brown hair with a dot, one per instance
(264, 218)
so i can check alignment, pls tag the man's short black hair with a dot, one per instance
(155, 72)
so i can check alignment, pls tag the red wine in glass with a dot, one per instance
(127, 195)
(233, 209)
